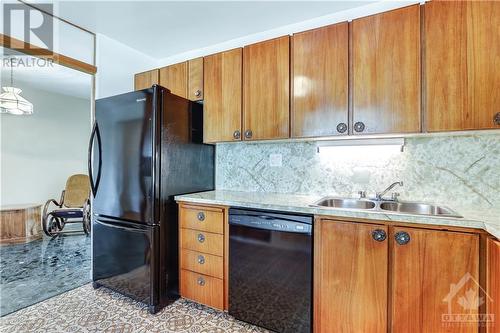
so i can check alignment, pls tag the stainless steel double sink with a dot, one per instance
(414, 208)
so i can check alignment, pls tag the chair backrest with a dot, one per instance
(77, 191)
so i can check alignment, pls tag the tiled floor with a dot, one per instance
(35, 271)
(87, 310)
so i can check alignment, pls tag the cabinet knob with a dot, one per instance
(341, 127)
(248, 134)
(201, 238)
(496, 119)
(402, 237)
(379, 235)
(201, 216)
(201, 281)
(359, 126)
(201, 259)
(197, 93)
(237, 135)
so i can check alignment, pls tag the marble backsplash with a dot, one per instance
(458, 171)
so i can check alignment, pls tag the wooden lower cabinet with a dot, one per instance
(434, 276)
(203, 289)
(381, 278)
(350, 278)
(493, 285)
(203, 257)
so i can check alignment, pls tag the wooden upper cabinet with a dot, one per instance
(434, 274)
(266, 89)
(146, 79)
(222, 102)
(175, 78)
(195, 79)
(461, 65)
(493, 284)
(320, 81)
(386, 72)
(350, 277)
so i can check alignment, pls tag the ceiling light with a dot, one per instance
(11, 100)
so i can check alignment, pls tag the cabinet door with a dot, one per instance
(493, 285)
(434, 276)
(146, 79)
(266, 89)
(350, 277)
(195, 80)
(461, 78)
(222, 102)
(386, 72)
(320, 81)
(174, 78)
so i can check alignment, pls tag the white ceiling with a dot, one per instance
(164, 28)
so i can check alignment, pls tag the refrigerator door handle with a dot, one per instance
(95, 133)
(118, 225)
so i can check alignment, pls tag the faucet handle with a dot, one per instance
(362, 194)
(395, 196)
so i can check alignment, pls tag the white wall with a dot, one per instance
(40, 151)
(116, 65)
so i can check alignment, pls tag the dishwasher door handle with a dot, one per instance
(272, 224)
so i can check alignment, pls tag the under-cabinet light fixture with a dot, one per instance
(391, 145)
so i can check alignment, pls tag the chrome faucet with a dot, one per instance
(379, 195)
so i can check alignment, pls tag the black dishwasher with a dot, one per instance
(270, 269)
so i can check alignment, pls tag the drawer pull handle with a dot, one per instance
(201, 216)
(201, 260)
(201, 281)
(201, 238)
(197, 93)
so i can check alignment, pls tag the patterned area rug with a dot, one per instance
(87, 310)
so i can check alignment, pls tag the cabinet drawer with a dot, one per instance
(202, 263)
(202, 218)
(203, 289)
(201, 241)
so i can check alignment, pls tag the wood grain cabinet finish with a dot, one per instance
(202, 288)
(266, 89)
(350, 277)
(493, 284)
(461, 65)
(195, 79)
(203, 257)
(320, 75)
(146, 79)
(175, 78)
(434, 274)
(202, 218)
(222, 105)
(386, 72)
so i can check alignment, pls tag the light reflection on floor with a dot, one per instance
(35, 271)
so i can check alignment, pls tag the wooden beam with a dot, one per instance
(32, 50)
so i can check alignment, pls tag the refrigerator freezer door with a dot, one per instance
(125, 160)
(123, 255)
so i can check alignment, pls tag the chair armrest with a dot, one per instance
(46, 206)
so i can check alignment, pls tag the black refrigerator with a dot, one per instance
(145, 148)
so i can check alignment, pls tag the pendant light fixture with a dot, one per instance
(11, 100)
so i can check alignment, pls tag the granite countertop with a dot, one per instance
(488, 221)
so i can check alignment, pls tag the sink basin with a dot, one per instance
(345, 203)
(417, 208)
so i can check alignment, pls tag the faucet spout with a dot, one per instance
(379, 195)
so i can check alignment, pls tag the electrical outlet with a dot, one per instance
(276, 160)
